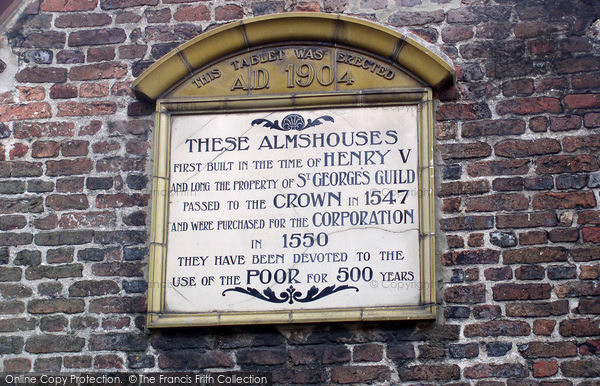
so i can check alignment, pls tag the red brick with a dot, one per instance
(574, 289)
(18, 150)
(579, 327)
(369, 352)
(589, 272)
(554, 164)
(585, 254)
(543, 326)
(492, 127)
(543, 369)
(457, 33)
(229, 12)
(565, 235)
(588, 306)
(538, 124)
(473, 111)
(498, 168)
(566, 200)
(465, 294)
(17, 364)
(479, 256)
(116, 4)
(518, 87)
(68, 5)
(582, 101)
(97, 37)
(552, 84)
(18, 112)
(589, 142)
(77, 109)
(505, 370)
(191, 13)
(32, 94)
(42, 75)
(451, 205)
(498, 328)
(534, 255)
(565, 123)
(121, 200)
(591, 234)
(528, 106)
(591, 120)
(82, 20)
(464, 187)
(427, 372)
(133, 51)
(573, 65)
(513, 148)
(74, 148)
(108, 70)
(68, 167)
(63, 91)
(534, 350)
(467, 223)
(508, 184)
(88, 219)
(100, 54)
(511, 291)
(497, 274)
(455, 241)
(533, 237)
(94, 90)
(531, 29)
(497, 202)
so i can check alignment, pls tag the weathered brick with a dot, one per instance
(118, 342)
(513, 148)
(52, 306)
(434, 372)
(526, 220)
(42, 75)
(467, 223)
(453, 111)
(527, 106)
(533, 237)
(511, 291)
(42, 344)
(589, 306)
(117, 269)
(67, 202)
(116, 4)
(582, 101)
(497, 202)
(567, 200)
(78, 109)
(589, 142)
(87, 288)
(537, 309)
(464, 187)
(17, 365)
(121, 200)
(496, 274)
(492, 127)
(572, 289)
(19, 112)
(465, 294)
(579, 327)
(104, 70)
(498, 349)
(498, 168)
(118, 305)
(478, 256)
(505, 370)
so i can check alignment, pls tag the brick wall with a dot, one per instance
(518, 176)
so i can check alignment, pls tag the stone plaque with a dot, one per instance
(294, 211)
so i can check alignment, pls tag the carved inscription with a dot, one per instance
(297, 68)
(273, 211)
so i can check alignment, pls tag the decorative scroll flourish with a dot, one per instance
(291, 293)
(292, 122)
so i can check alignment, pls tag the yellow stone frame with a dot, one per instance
(206, 49)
